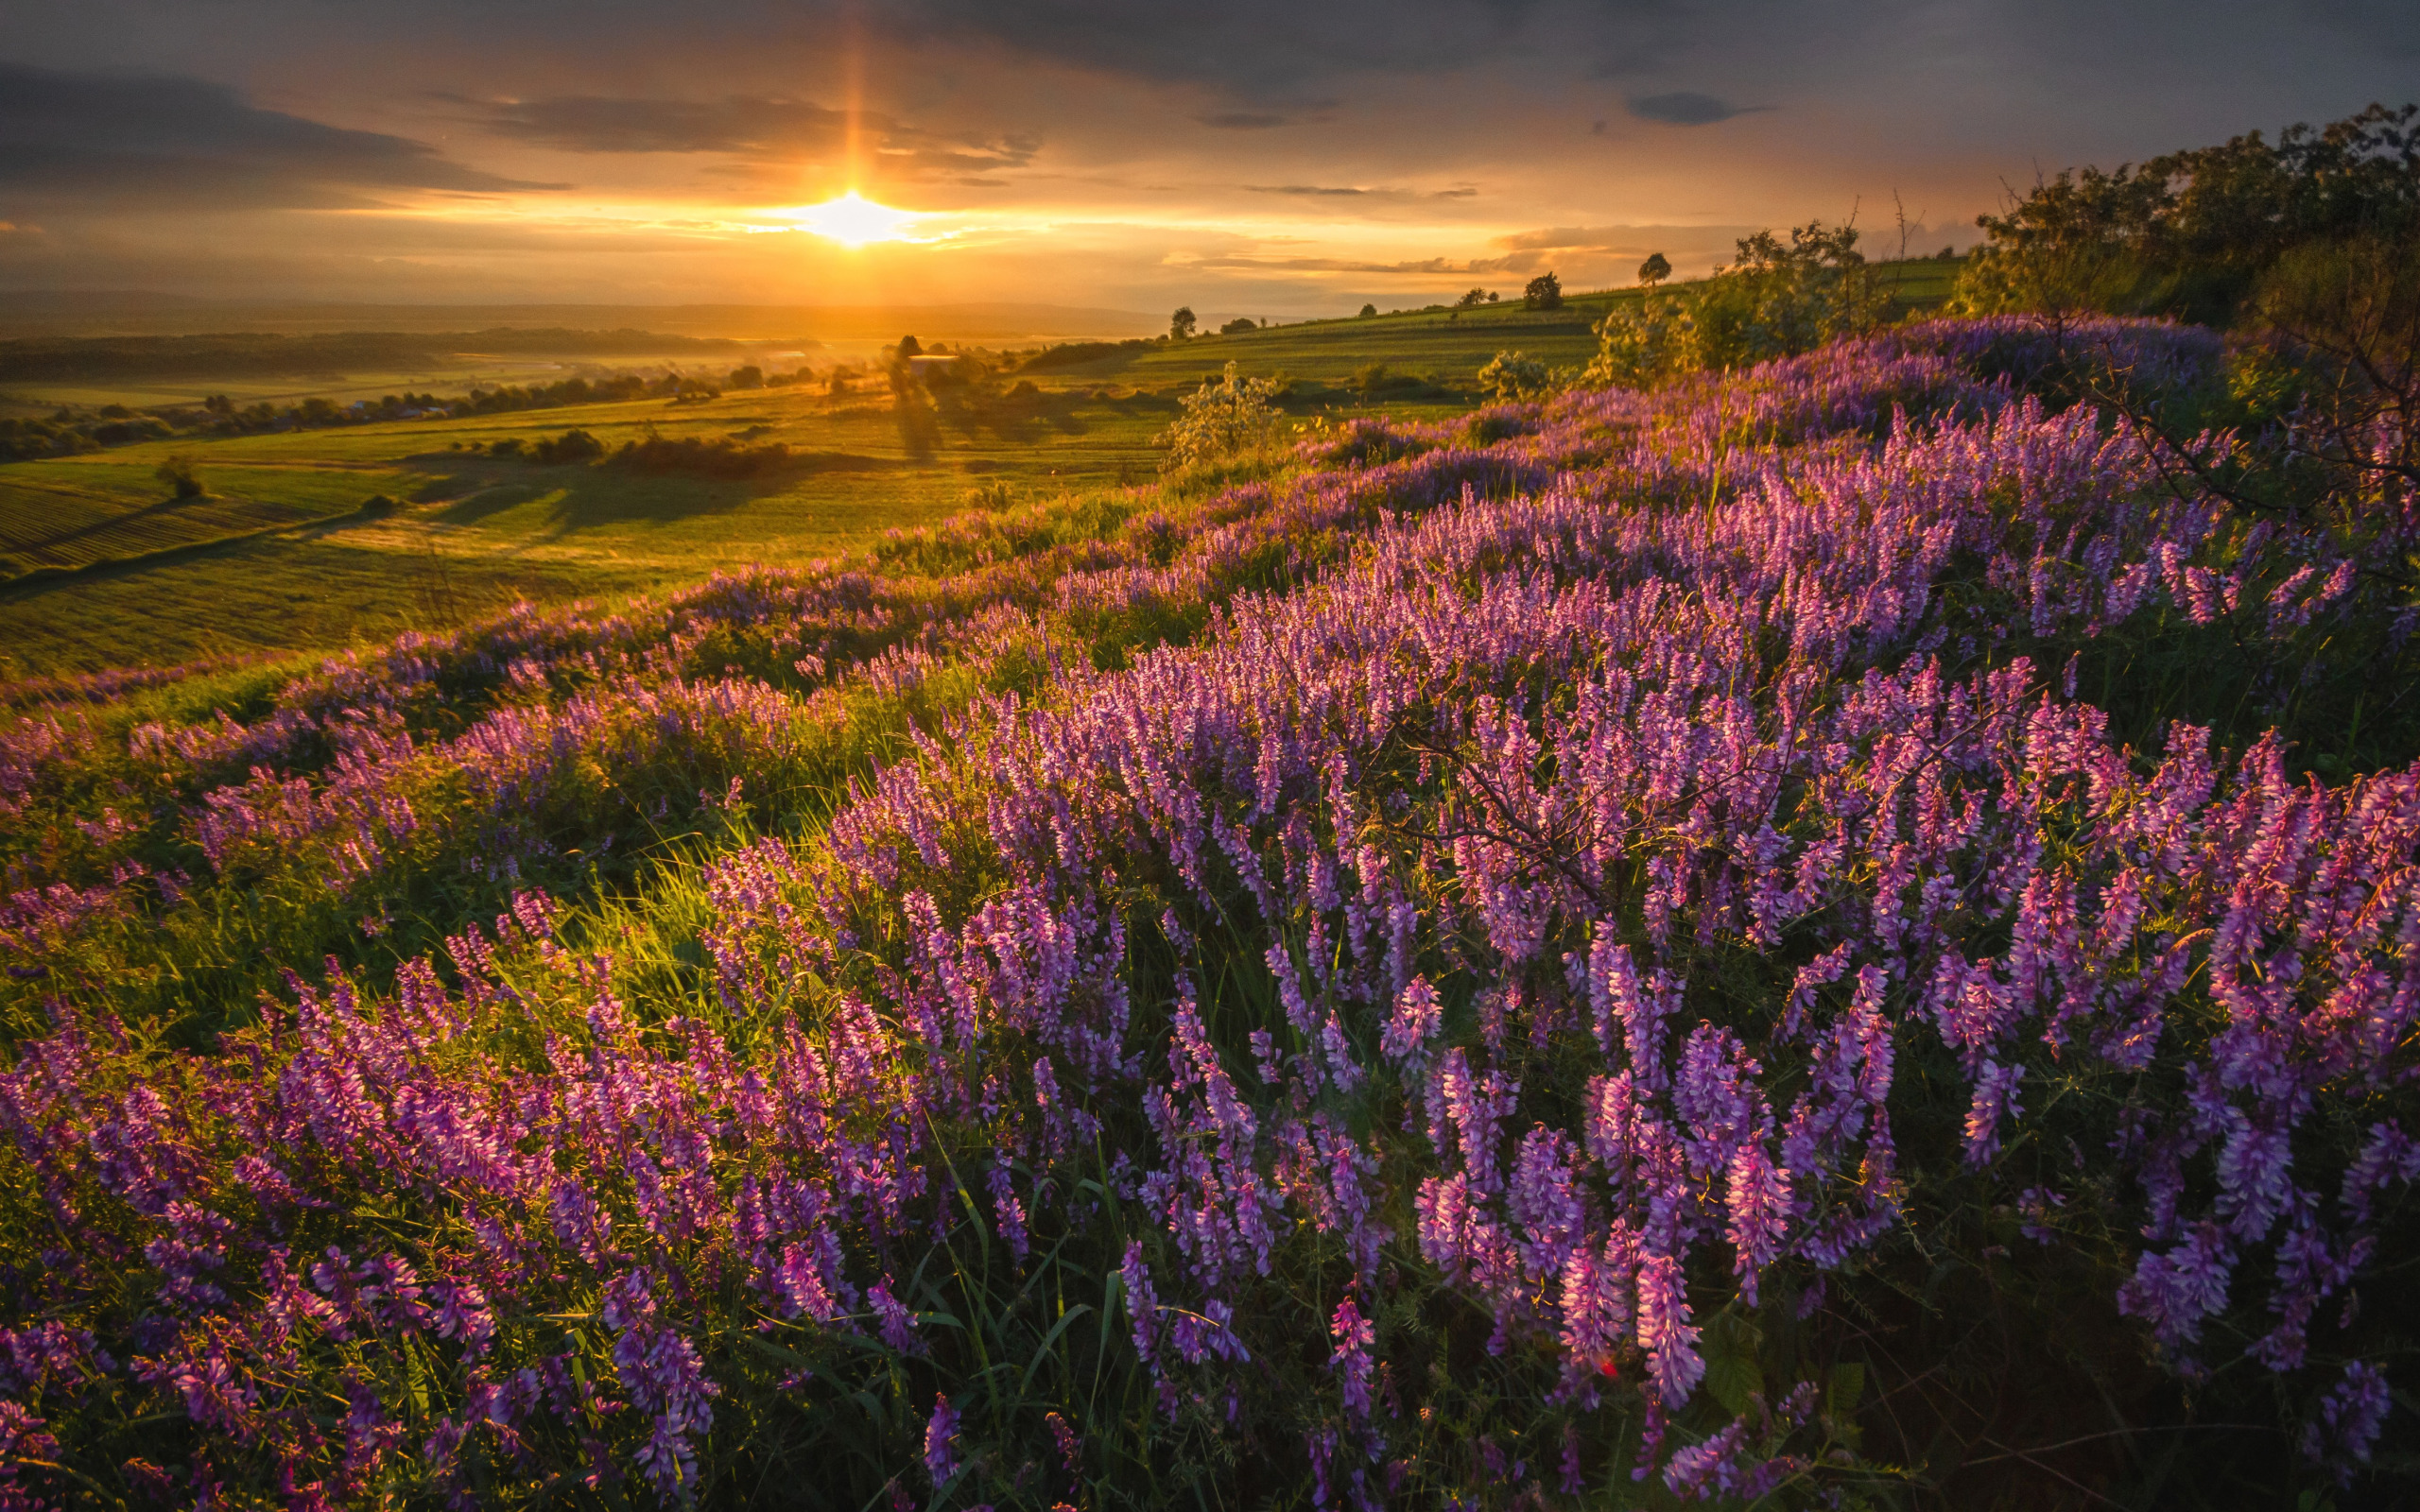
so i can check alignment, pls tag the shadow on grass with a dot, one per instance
(589, 496)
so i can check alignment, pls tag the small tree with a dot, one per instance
(178, 474)
(1471, 300)
(1509, 375)
(1545, 292)
(1369, 310)
(1181, 324)
(750, 376)
(1639, 346)
(1232, 418)
(1655, 270)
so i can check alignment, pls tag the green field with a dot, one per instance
(156, 580)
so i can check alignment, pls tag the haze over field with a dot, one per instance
(1270, 158)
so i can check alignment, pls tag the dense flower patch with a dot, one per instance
(1595, 894)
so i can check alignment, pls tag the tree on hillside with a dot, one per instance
(1510, 376)
(1181, 324)
(1369, 310)
(1236, 417)
(1545, 292)
(750, 376)
(1239, 325)
(911, 406)
(1777, 298)
(1655, 270)
(2192, 235)
(1471, 300)
(178, 474)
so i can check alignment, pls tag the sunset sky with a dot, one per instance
(1270, 157)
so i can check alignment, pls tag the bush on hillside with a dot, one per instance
(179, 473)
(575, 445)
(1775, 300)
(1509, 375)
(718, 458)
(2191, 234)
(1545, 292)
(1232, 418)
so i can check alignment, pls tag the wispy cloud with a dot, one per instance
(1688, 108)
(751, 128)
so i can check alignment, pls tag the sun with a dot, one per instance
(854, 221)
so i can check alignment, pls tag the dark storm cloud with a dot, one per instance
(161, 140)
(748, 128)
(1687, 107)
(1261, 49)
(1244, 120)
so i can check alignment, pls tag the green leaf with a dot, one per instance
(1840, 1403)
(1848, 1385)
(1731, 1372)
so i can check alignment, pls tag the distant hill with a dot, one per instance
(52, 358)
(54, 313)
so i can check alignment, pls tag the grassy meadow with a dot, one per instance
(278, 557)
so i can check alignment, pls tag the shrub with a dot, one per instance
(178, 473)
(571, 446)
(2192, 233)
(1639, 345)
(1545, 292)
(719, 458)
(1231, 418)
(1509, 375)
(1774, 301)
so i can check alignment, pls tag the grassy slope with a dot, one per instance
(479, 530)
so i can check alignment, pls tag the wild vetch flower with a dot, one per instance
(1355, 1338)
(2349, 1421)
(1070, 1447)
(1761, 1209)
(1413, 1021)
(1665, 1331)
(663, 1376)
(1995, 1101)
(897, 1322)
(941, 1437)
(1544, 1201)
(2175, 1290)
(1142, 1305)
